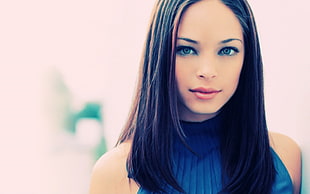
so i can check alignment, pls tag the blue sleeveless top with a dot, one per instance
(200, 173)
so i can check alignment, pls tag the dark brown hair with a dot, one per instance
(245, 149)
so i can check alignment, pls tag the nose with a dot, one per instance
(207, 68)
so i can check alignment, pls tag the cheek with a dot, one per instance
(231, 77)
(180, 74)
(235, 81)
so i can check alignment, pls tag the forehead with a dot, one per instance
(209, 19)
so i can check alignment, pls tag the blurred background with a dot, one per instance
(68, 72)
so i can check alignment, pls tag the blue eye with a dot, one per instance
(185, 50)
(228, 51)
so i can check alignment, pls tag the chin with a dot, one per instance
(198, 112)
(199, 115)
(207, 110)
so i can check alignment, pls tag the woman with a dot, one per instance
(197, 124)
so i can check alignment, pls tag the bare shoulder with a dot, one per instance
(109, 173)
(290, 154)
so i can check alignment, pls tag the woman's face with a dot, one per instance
(209, 59)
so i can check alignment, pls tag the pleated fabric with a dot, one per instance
(197, 166)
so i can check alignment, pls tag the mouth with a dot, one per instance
(205, 93)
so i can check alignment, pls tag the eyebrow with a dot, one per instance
(222, 42)
(229, 40)
(188, 40)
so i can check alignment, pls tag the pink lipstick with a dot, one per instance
(205, 93)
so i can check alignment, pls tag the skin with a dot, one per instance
(204, 63)
(290, 154)
(209, 55)
(110, 174)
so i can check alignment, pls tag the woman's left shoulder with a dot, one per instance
(290, 154)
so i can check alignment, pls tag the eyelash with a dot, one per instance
(180, 51)
(234, 49)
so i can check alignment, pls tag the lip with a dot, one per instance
(205, 93)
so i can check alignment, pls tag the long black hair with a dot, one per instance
(247, 162)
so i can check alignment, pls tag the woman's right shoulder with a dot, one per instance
(110, 175)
